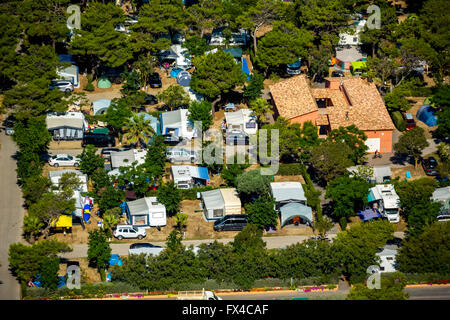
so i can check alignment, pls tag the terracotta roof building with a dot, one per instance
(343, 102)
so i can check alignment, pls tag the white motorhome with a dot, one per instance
(384, 198)
(183, 60)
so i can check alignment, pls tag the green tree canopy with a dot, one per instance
(391, 289)
(262, 212)
(412, 142)
(90, 161)
(283, 45)
(26, 261)
(252, 183)
(201, 111)
(356, 247)
(331, 159)
(348, 195)
(354, 138)
(99, 251)
(170, 196)
(428, 252)
(174, 97)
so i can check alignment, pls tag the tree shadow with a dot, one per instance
(401, 159)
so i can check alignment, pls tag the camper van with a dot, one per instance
(384, 198)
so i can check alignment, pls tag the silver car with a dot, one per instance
(62, 85)
(181, 155)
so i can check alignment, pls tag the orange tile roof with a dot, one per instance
(336, 96)
(367, 111)
(293, 97)
(322, 120)
(372, 113)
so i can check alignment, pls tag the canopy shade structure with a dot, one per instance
(369, 214)
(64, 221)
(100, 106)
(103, 83)
(427, 115)
(294, 209)
(246, 69)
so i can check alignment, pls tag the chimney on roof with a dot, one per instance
(346, 115)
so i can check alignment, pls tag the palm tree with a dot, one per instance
(32, 226)
(261, 108)
(138, 129)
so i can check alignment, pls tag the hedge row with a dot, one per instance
(398, 120)
(99, 290)
(289, 169)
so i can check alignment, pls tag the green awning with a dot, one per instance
(101, 130)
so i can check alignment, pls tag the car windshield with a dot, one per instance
(135, 229)
(70, 157)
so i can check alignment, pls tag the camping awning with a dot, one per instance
(213, 199)
(295, 209)
(369, 214)
(199, 173)
(122, 158)
(138, 207)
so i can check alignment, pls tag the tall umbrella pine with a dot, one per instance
(138, 129)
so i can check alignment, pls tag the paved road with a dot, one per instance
(429, 293)
(80, 250)
(11, 216)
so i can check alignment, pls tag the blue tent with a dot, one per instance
(184, 78)
(245, 68)
(175, 71)
(427, 115)
(86, 212)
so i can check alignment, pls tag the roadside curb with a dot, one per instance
(427, 285)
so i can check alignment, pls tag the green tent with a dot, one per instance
(103, 83)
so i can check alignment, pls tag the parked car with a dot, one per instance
(337, 73)
(129, 232)
(98, 140)
(150, 99)
(180, 155)
(9, 125)
(409, 119)
(231, 222)
(62, 85)
(429, 165)
(173, 140)
(144, 247)
(106, 152)
(155, 80)
(236, 137)
(63, 160)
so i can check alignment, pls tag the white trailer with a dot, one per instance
(197, 295)
(384, 198)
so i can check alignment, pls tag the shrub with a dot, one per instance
(89, 86)
(343, 223)
(398, 120)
